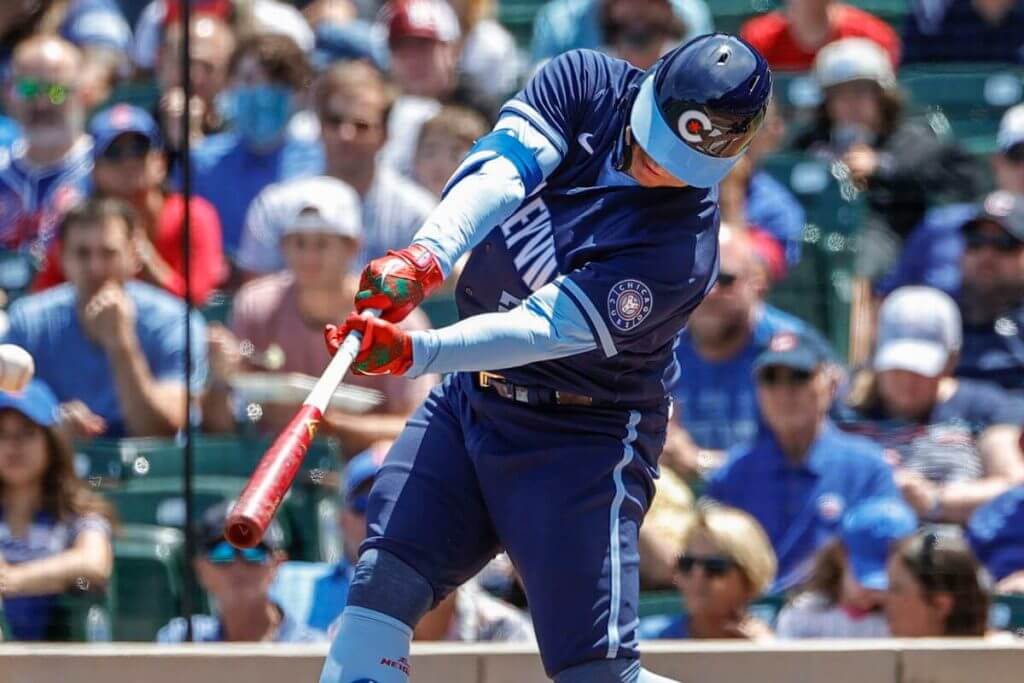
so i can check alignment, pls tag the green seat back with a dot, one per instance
(149, 564)
(82, 617)
(1007, 613)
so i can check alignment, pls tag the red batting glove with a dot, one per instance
(398, 282)
(386, 349)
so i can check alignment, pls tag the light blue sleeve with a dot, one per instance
(484, 198)
(547, 325)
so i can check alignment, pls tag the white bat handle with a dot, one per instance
(327, 384)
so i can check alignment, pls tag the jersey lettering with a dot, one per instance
(530, 242)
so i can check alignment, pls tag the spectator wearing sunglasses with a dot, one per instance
(936, 587)
(238, 583)
(845, 594)
(801, 473)
(50, 172)
(932, 253)
(717, 404)
(726, 562)
(316, 591)
(992, 292)
(130, 165)
(955, 441)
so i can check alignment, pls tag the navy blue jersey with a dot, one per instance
(635, 260)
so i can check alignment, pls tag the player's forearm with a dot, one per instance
(546, 326)
(501, 170)
(470, 210)
(149, 408)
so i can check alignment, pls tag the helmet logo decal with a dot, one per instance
(693, 123)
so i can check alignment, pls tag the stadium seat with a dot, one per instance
(107, 461)
(964, 101)
(149, 563)
(158, 500)
(1007, 613)
(83, 617)
(818, 289)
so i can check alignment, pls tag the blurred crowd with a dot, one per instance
(861, 479)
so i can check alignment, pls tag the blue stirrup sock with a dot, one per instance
(369, 647)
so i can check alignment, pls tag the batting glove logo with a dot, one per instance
(629, 304)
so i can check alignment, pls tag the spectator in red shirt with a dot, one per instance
(790, 38)
(130, 165)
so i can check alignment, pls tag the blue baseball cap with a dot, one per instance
(800, 350)
(345, 42)
(700, 106)
(868, 531)
(35, 401)
(361, 469)
(119, 119)
(996, 533)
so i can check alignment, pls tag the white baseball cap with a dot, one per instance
(918, 329)
(315, 205)
(853, 59)
(1011, 128)
(272, 16)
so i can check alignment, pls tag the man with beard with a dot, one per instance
(992, 292)
(48, 172)
(717, 402)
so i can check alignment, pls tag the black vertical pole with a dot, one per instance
(186, 247)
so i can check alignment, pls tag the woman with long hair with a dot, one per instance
(54, 532)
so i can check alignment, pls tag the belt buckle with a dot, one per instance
(486, 377)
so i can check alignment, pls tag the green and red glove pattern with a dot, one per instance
(386, 349)
(398, 282)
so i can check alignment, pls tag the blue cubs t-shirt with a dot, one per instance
(716, 401)
(635, 261)
(75, 367)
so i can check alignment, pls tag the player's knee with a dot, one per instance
(384, 583)
(609, 671)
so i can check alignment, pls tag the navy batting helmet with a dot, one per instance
(700, 106)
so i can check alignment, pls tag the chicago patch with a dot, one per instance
(629, 303)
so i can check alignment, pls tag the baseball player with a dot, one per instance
(592, 213)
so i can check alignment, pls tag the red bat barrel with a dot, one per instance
(274, 475)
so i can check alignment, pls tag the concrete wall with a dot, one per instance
(889, 661)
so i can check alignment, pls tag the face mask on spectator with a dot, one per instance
(260, 113)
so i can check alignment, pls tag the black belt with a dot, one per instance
(528, 394)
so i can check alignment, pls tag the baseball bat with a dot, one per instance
(251, 514)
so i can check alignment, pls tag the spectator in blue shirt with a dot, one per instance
(964, 31)
(801, 473)
(54, 531)
(238, 581)
(956, 441)
(112, 349)
(996, 533)
(563, 25)
(715, 401)
(726, 562)
(266, 74)
(316, 591)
